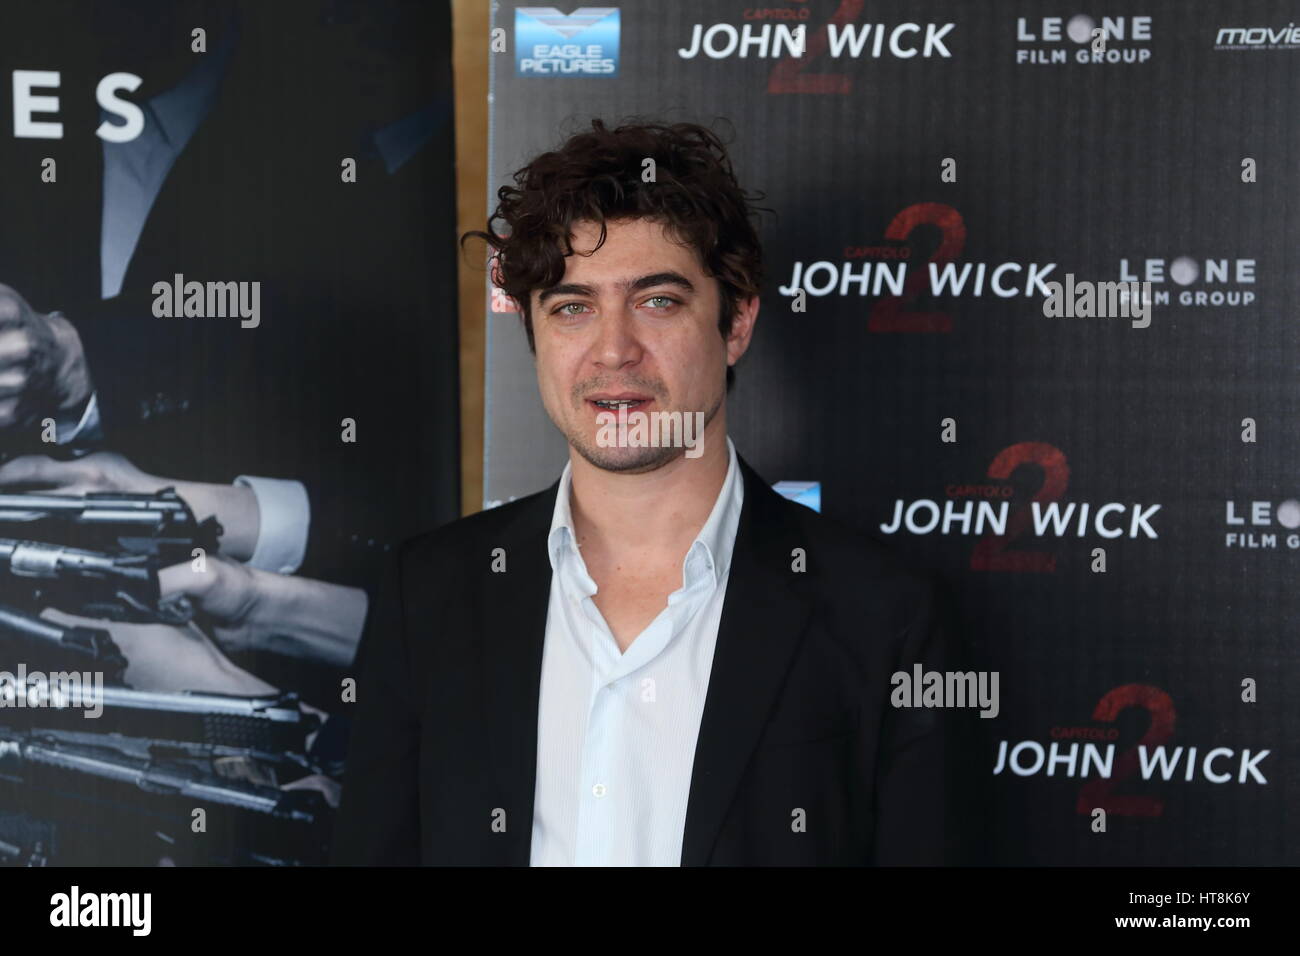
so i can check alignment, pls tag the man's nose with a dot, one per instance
(616, 344)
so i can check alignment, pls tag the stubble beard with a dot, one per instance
(633, 460)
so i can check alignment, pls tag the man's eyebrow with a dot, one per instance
(631, 285)
(660, 278)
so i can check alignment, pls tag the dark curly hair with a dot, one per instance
(596, 175)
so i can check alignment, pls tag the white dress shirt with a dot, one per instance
(284, 518)
(616, 731)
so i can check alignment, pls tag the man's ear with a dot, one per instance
(742, 328)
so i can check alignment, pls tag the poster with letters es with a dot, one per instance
(227, 392)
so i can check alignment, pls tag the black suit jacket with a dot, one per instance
(797, 715)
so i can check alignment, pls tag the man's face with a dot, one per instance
(637, 320)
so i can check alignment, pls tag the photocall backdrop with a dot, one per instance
(301, 147)
(1115, 508)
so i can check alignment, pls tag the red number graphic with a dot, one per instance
(888, 314)
(991, 552)
(787, 75)
(1100, 793)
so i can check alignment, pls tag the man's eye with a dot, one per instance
(666, 301)
(564, 309)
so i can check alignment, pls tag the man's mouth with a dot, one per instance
(615, 403)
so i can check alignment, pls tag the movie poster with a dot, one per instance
(227, 392)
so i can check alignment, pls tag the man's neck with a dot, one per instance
(658, 512)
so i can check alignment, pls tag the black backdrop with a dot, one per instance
(1083, 167)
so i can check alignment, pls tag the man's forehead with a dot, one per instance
(632, 247)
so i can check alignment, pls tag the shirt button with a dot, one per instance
(598, 790)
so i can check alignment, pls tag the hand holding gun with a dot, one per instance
(120, 587)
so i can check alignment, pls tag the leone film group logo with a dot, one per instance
(1253, 525)
(1048, 41)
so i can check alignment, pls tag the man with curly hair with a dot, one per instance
(658, 660)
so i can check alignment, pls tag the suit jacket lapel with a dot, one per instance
(763, 621)
(514, 606)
